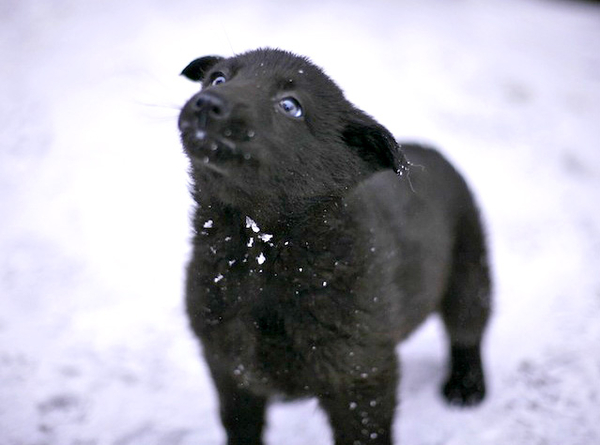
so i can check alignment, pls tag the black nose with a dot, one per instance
(211, 106)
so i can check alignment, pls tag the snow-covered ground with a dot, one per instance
(94, 347)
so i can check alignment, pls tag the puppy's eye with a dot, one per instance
(291, 107)
(218, 79)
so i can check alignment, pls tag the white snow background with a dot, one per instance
(94, 206)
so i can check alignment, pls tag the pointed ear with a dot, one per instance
(375, 144)
(198, 68)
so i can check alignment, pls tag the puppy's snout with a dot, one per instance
(210, 118)
(211, 106)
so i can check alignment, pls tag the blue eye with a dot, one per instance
(218, 79)
(291, 107)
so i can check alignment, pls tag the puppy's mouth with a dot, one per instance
(206, 163)
(215, 151)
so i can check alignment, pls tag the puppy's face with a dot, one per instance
(270, 127)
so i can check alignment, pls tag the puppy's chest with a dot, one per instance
(252, 263)
(277, 286)
(275, 301)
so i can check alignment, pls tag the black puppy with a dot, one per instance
(317, 248)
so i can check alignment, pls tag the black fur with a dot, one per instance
(317, 249)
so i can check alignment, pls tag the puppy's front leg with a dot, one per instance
(363, 413)
(242, 413)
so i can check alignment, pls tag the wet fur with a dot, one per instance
(317, 248)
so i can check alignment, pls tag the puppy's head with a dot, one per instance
(270, 127)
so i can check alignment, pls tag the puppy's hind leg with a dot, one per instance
(465, 310)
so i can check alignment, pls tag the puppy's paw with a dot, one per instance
(464, 390)
(466, 384)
